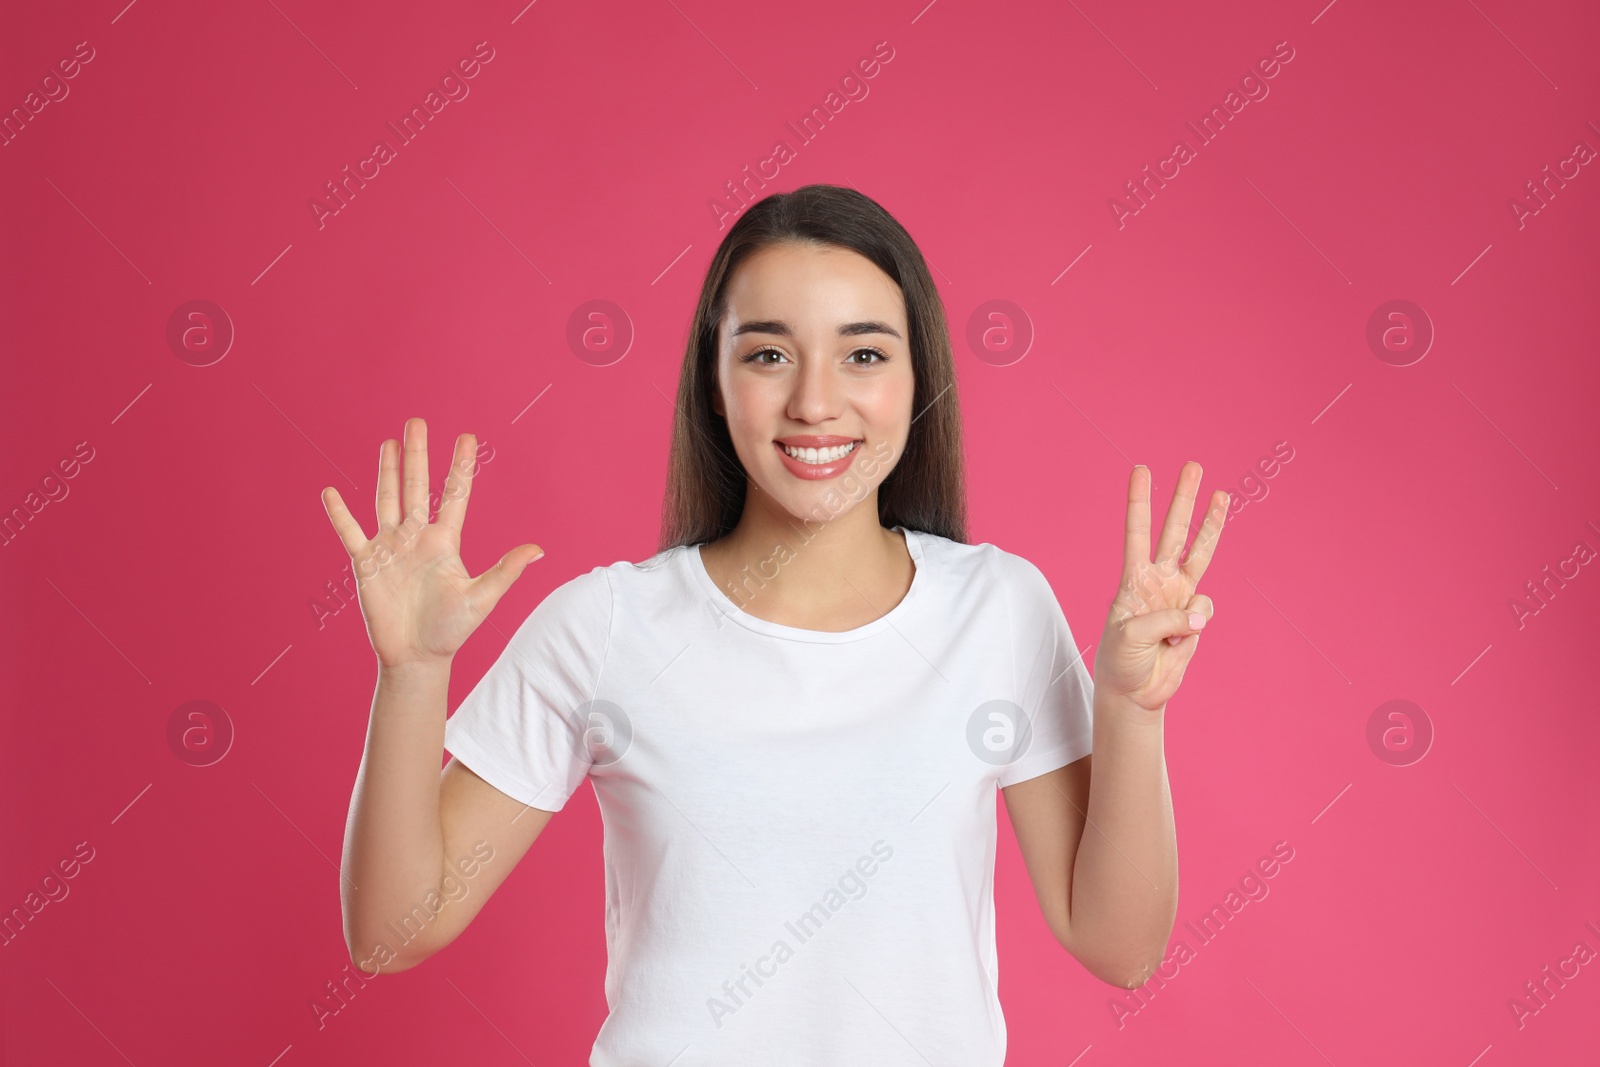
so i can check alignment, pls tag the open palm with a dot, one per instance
(1153, 627)
(418, 600)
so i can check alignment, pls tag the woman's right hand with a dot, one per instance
(419, 602)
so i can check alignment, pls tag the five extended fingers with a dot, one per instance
(402, 497)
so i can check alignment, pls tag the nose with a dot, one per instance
(817, 395)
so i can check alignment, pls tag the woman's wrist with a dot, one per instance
(1122, 709)
(406, 673)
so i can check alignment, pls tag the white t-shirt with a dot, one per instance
(799, 826)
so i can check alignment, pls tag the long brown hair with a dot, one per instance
(706, 483)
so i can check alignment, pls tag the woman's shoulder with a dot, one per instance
(984, 560)
(586, 604)
(602, 578)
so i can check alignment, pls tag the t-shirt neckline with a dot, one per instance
(725, 605)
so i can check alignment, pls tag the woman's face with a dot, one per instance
(814, 354)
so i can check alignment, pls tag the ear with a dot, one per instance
(716, 399)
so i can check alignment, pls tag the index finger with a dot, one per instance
(1136, 539)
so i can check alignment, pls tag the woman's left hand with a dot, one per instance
(1154, 624)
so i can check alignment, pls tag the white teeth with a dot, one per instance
(820, 455)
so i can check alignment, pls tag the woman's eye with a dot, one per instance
(757, 357)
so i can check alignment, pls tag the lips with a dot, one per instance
(816, 471)
(814, 440)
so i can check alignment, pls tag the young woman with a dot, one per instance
(796, 714)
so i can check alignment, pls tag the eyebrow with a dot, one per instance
(781, 328)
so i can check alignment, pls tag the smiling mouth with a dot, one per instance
(818, 456)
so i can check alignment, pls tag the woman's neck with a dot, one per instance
(831, 576)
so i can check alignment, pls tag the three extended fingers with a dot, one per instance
(1175, 530)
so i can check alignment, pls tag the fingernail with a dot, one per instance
(1197, 621)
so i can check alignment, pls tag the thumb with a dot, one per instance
(1189, 621)
(493, 583)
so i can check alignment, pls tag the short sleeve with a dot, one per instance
(1053, 684)
(521, 727)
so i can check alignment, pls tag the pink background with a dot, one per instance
(1228, 314)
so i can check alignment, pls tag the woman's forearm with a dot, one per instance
(393, 842)
(1125, 877)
